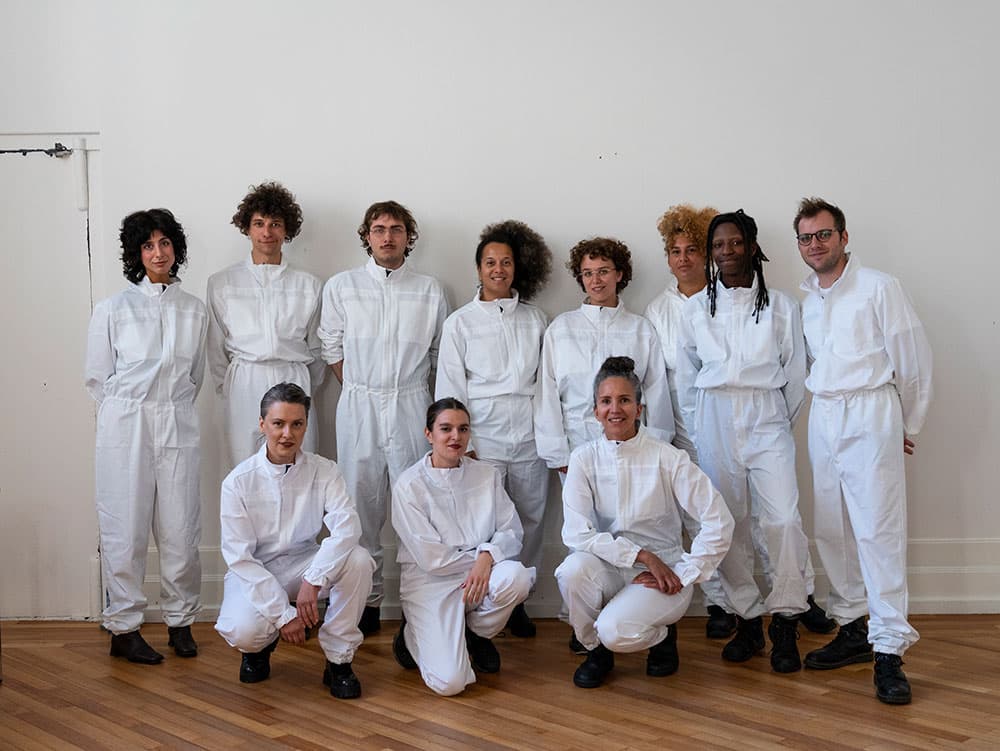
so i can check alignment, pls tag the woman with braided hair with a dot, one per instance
(741, 362)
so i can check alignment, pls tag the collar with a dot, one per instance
(631, 446)
(597, 313)
(506, 304)
(154, 289)
(262, 271)
(379, 273)
(811, 282)
(277, 470)
(442, 476)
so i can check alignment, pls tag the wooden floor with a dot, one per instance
(61, 690)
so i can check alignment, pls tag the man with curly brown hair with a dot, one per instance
(380, 328)
(263, 317)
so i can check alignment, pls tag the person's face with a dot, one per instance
(267, 235)
(284, 427)
(450, 438)
(823, 256)
(600, 280)
(729, 252)
(387, 238)
(496, 271)
(617, 409)
(158, 257)
(686, 261)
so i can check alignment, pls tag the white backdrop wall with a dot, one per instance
(580, 118)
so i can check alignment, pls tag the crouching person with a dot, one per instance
(628, 579)
(273, 506)
(458, 533)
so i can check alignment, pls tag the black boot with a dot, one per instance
(784, 633)
(482, 654)
(595, 668)
(575, 646)
(721, 624)
(519, 624)
(663, 659)
(815, 618)
(400, 650)
(181, 640)
(343, 683)
(134, 648)
(371, 620)
(850, 645)
(891, 685)
(256, 666)
(749, 640)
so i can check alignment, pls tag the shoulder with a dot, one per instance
(410, 477)
(304, 278)
(240, 474)
(227, 273)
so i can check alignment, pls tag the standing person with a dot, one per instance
(458, 537)
(871, 385)
(628, 579)
(380, 328)
(145, 362)
(490, 349)
(741, 359)
(274, 505)
(263, 316)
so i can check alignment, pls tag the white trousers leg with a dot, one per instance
(527, 484)
(859, 479)
(436, 619)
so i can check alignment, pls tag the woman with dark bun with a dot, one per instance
(145, 361)
(490, 349)
(459, 536)
(628, 578)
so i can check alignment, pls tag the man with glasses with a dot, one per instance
(870, 377)
(380, 328)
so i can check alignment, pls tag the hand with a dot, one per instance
(908, 446)
(477, 583)
(338, 370)
(657, 575)
(294, 632)
(305, 604)
(562, 469)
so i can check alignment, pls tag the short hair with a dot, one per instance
(137, 228)
(618, 367)
(398, 212)
(748, 229)
(810, 207)
(532, 257)
(449, 402)
(290, 393)
(269, 199)
(602, 247)
(685, 219)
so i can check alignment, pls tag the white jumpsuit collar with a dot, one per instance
(599, 313)
(379, 272)
(265, 271)
(811, 282)
(505, 305)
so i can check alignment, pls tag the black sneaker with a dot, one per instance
(749, 640)
(343, 683)
(519, 624)
(850, 645)
(721, 624)
(179, 637)
(815, 618)
(575, 646)
(784, 633)
(256, 666)
(891, 685)
(482, 654)
(663, 659)
(370, 622)
(595, 668)
(399, 649)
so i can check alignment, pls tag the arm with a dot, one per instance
(656, 392)
(793, 362)
(422, 539)
(317, 368)
(432, 352)
(100, 362)
(452, 378)
(341, 518)
(332, 321)
(509, 534)
(696, 495)
(909, 352)
(198, 363)
(688, 367)
(215, 347)
(550, 433)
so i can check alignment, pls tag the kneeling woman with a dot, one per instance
(458, 531)
(628, 578)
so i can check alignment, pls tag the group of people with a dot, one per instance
(672, 425)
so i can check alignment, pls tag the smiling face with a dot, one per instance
(449, 439)
(267, 235)
(157, 257)
(617, 409)
(387, 239)
(687, 263)
(730, 254)
(284, 427)
(496, 271)
(600, 280)
(827, 258)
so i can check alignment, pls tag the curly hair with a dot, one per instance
(532, 257)
(137, 229)
(685, 219)
(269, 199)
(748, 229)
(618, 367)
(398, 212)
(810, 207)
(601, 247)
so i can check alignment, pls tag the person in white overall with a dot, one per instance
(145, 362)
(488, 360)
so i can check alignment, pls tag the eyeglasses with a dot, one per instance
(379, 231)
(602, 273)
(822, 235)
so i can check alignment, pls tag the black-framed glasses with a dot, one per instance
(822, 235)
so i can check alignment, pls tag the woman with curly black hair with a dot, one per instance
(145, 361)
(490, 349)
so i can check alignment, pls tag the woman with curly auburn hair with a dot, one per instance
(490, 349)
(145, 361)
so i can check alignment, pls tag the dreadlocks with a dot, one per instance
(748, 228)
